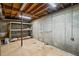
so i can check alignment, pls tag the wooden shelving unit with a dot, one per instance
(15, 29)
(20, 23)
(20, 29)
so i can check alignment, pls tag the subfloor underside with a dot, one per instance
(31, 47)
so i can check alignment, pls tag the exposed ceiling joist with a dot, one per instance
(23, 6)
(34, 10)
(14, 13)
(42, 14)
(41, 11)
(35, 4)
(7, 4)
(31, 15)
(7, 11)
(38, 8)
(11, 9)
(17, 6)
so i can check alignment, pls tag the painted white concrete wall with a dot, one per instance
(56, 29)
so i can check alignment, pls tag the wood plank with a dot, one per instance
(9, 7)
(11, 10)
(26, 14)
(20, 29)
(7, 11)
(14, 13)
(7, 4)
(17, 5)
(31, 7)
(9, 30)
(23, 6)
(41, 11)
(41, 15)
(20, 23)
(44, 13)
(15, 8)
(7, 14)
(27, 6)
(38, 8)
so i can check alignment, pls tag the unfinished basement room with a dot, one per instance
(39, 29)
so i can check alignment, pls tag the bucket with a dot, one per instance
(6, 40)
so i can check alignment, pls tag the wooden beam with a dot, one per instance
(7, 4)
(31, 15)
(21, 30)
(23, 6)
(26, 14)
(11, 9)
(7, 12)
(14, 12)
(42, 14)
(26, 7)
(20, 23)
(38, 8)
(34, 5)
(10, 31)
(17, 5)
(12, 20)
(41, 11)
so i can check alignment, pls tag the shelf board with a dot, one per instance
(20, 23)
(20, 29)
(16, 39)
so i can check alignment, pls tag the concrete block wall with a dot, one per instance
(58, 28)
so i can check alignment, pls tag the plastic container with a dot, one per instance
(6, 40)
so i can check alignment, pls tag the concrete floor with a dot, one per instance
(31, 47)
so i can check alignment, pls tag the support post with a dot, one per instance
(9, 31)
(21, 30)
(0, 47)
